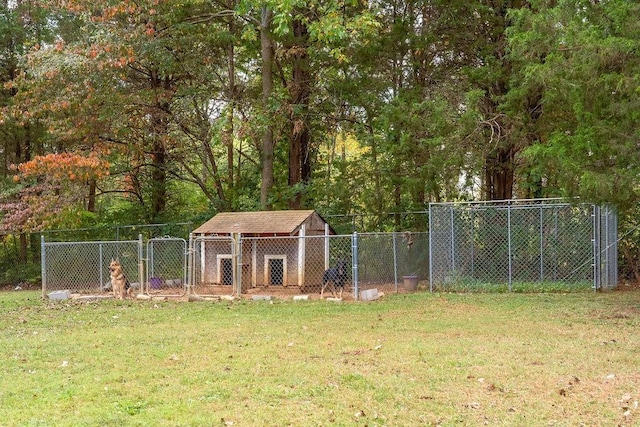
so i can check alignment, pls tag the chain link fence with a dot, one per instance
(296, 264)
(521, 245)
(167, 267)
(213, 266)
(83, 267)
(517, 246)
(385, 259)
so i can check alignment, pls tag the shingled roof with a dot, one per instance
(262, 222)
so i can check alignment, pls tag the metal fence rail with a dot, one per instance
(520, 245)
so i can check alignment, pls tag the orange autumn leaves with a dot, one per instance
(56, 186)
(63, 167)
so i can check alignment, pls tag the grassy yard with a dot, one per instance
(407, 360)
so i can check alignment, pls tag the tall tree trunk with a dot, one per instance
(268, 145)
(499, 167)
(159, 124)
(210, 155)
(158, 173)
(499, 162)
(23, 248)
(227, 133)
(299, 92)
(499, 173)
(91, 199)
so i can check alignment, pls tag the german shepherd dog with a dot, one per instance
(337, 276)
(119, 283)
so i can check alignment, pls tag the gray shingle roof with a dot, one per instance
(263, 222)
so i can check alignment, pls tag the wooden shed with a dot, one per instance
(275, 248)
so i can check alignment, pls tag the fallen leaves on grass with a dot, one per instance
(571, 383)
(627, 406)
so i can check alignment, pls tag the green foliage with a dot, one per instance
(405, 103)
(582, 68)
(21, 273)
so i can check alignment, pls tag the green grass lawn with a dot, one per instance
(406, 360)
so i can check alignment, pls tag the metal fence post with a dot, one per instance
(141, 264)
(43, 265)
(595, 237)
(541, 231)
(430, 237)
(395, 262)
(611, 219)
(100, 261)
(240, 262)
(236, 256)
(354, 261)
(509, 255)
(189, 264)
(453, 241)
(326, 247)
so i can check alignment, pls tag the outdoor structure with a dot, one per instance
(231, 249)
(489, 246)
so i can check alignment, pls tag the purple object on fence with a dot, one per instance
(155, 282)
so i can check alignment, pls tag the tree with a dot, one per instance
(577, 62)
(268, 143)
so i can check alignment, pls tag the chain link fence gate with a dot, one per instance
(213, 266)
(605, 247)
(167, 267)
(521, 245)
(385, 259)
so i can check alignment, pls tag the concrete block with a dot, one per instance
(334, 299)
(301, 297)
(369, 295)
(60, 295)
(262, 297)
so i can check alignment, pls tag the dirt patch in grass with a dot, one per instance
(627, 286)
